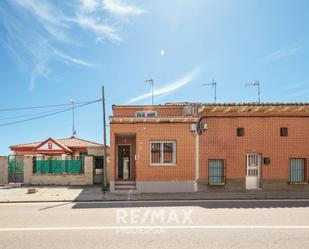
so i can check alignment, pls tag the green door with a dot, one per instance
(16, 169)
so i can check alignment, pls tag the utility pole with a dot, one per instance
(257, 84)
(150, 81)
(214, 85)
(104, 140)
(73, 118)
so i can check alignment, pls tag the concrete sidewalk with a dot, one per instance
(94, 193)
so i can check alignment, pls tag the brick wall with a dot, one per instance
(58, 179)
(262, 135)
(4, 170)
(219, 141)
(185, 146)
(161, 110)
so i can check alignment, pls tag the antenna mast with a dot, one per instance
(150, 81)
(214, 85)
(257, 84)
(73, 118)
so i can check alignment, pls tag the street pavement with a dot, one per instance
(94, 193)
(156, 224)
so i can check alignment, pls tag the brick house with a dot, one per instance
(55, 159)
(64, 148)
(240, 147)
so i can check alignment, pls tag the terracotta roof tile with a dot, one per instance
(179, 104)
(77, 142)
(67, 142)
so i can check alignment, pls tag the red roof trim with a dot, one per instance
(66, 149)
(51, 152)
(70, 143)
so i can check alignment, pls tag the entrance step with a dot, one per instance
(13, 185)
(125, 185)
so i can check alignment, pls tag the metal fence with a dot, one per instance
(16, 169)
(58, 167)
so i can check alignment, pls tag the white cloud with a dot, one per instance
(170, 87)
(119, 8)
(34, 29)
(40, 70)
(43, 11)
(100, 29)
(282, 53)
(73, 60)
(90, 5)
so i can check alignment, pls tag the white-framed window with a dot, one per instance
(163, 153)
(146, 114)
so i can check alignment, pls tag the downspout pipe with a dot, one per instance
(199, 127)
(199, 131)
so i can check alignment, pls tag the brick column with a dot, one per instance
(28, 169)
(4, 170)
(112, 160)
(88, 170)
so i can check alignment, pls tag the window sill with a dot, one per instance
(298, 183)
(216, 184)
(163, 165)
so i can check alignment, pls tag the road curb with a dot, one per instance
(155, 200)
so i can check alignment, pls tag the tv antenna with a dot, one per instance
(214, 85)
(150, 81)
(256, 83)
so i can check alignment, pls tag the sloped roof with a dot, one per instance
(57, 142)
(258, 104)
(253, 107)
(72, 142)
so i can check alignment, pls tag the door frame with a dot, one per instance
(94, 174)
(259, 168)
(117, 149)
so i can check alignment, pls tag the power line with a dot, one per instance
(31, 114)
(50, 114)
(38, 107)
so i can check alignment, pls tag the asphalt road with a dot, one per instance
(161, 224)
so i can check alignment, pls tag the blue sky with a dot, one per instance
(55, 51)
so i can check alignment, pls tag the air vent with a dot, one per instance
(188, 110)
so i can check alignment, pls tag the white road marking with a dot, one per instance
(149, 227)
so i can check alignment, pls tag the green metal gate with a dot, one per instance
(16, 169)
(58, 167)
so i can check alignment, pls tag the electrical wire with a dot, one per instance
(38, 107)
(50, 114)
(31, 114)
